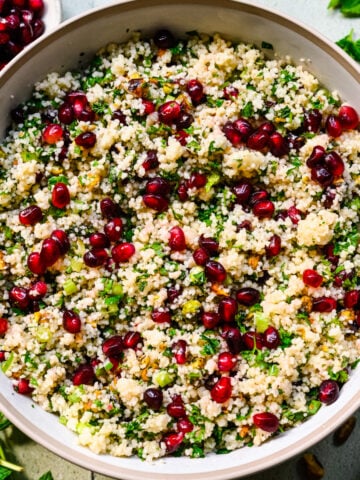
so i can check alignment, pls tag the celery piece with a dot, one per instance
(261, 322)
(70, 287)
(163, 378)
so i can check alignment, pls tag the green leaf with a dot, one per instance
(58, 179)
(4, 473)
(350, 45)
(212, 345)
(248, 110)
(47, 476)
(4, 422)
(334, 4)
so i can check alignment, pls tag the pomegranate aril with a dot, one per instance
(30, 215)
(50, 252)
(176, 409)
(12, 21)
(227, 309)
(352, 299)
(153, 397)
(113, 229)
(226, 361)
(329, 254)
(222, 390)
(333, 126)
(295, 142)
(38, 290)
(38, 27)
(201, 256)
(182, 137)
(109, 208)
(294, 215)
(122, 252)
(17, 115)
(4, 325)
(173, 441)
(197, 180)
(164, 39)
(209, 244)
(37, 6)
(60, 196)
(19, 297)
(210, 320)
(230, 92)
(2, 356)
(4, 38)
(232, 134)
(35, 264)
(328, 392)
(96, 257)
(258, 140)
(71, 321)
(62, 239)
(86, 139)
(248, 296)
(151, 160)
(195, 90)
(66, 114)
(258, 196)
(184, 120)
(158, 186)
(177, 242)
(334, 163)
(99, 240)
(184, 425)
(84, 375)
(323, 304)
(233, 339)
(267, 127)
(312, 120)
(169, 112)
(23, 387)
(119, 115)
(52, 133)
(161, 316)
(113, 346)
(348, 117)
(321, 175)
(246, 224)
(274, 247)
(312, 278)
(278, 145)
(215, 272)
(271, 338)
(183, 192)
(266, 421)
(179, 351)
(242, 191)
(148, 107)
(173, 293)
(264, 209)
(156, 202)
(253, 340)
(132, 340)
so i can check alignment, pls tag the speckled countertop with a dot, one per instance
(340, 463)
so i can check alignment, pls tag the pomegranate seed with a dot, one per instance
(122, 252)
(334, 163)
(113, 229)
(253, 340)
(329, 254)
(333, 126)
(38, 290)
(201, 256)
(183, 192)
(4, 325)
(233, 339)
(38, 27)
(60, 196)
(295, 142)
(274, 247)
(195, 90)
(246, 224)
(148, 106)
(86, 139)
(271, 338)
(184, 121)
(316, 157)
(227, 309)
(77, 96)
(157, 203)
(12, 21)
(294, 215)
(99, 240)
(312, 120)
(169, 112)
(177, 241)
(184, 425)
(266, 421)
(4, 38)
(151, 160)
(340, 278)
(215, 272)
(71, 321)
(242, 191)
(328, 392)
(348, 117)
(84, 375)
(37, 6)
(25, 31)
(96, 257)
(259, 195)
(182, 137)
(312, 278)
(158, 186)
(120, 116)
(248, 296)
(173, 293)
(226, 361)
(352, 299)
(210, 320)
(197, 180)
(50, 252)
(179, 351)
(258, 140)
(36, 264)
(62, 239)
(230, 92)
(153, 397)
(173, 441)
(278, 145)
(264, 209)
(324, 304)
(209, 244)
(2, 356)
(132, 340)
(66, 114)
(222, 390)
(232, 134)
(330, 195)
(161, 316)
(30, 215)
(19, 297)
(23, 387)
(52, 133)
(164, 39)
(322, 176)
(109, 208)
(176, 409)
(244, 127)
(17, 114)
(113, 346)
(267, 127)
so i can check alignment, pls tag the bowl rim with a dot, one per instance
(40, 435)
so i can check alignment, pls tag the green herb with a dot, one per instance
(350, 45)
(100, 107)
(212, 345)
(267, 46)
(47, 476)
(4, 422)
(351, 239)
(285, 338)
(157, 247)
(214, 102)
(314, 406)
(349, 8)
(286, 76)
(59, 179)
(248, 110)
(197, 276)
(197, 451)
(342, 376)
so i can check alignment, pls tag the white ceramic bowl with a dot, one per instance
(74, 43)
